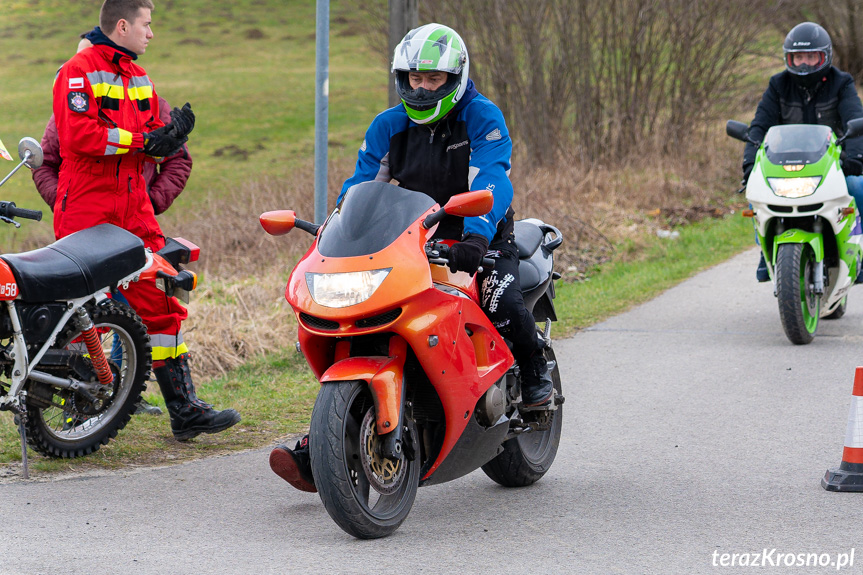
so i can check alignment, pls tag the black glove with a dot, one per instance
(160, 143)
(182, 120)
(466, 255)
(852, 167)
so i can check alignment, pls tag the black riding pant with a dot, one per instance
(502, 301)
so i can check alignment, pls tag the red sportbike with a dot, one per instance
(418, 387)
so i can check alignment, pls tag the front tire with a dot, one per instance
(799, 305)
(71, 426)
(366, 495)
(527, 457)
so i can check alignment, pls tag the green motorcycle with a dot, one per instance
(807, 224)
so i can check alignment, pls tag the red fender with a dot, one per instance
(385, 376)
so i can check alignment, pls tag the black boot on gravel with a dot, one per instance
(190, 416)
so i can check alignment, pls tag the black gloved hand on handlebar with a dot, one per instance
(467, 255)
(182, 120)
(161, 143)
(852, 167)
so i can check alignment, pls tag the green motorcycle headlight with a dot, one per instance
(794, 187)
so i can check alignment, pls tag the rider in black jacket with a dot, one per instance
(810, 91)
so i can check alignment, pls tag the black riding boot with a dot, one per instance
(190, 416)
(537, 387)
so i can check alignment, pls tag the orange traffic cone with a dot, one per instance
(849, 476)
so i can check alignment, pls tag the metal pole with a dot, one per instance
(404, 15)
(322, 95)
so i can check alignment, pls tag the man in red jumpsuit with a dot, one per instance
(107, 115)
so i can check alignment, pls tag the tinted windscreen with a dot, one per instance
(797, 143)
(371, 216)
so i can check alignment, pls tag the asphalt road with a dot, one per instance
(693, 429)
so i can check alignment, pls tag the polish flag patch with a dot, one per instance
(76, 83)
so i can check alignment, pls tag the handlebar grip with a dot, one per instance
(488, 263)
(10, 210)
(25, 213)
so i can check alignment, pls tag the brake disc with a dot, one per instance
(384, 475)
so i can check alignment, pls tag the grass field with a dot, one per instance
(248, 69)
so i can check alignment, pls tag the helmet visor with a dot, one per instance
(804, 62)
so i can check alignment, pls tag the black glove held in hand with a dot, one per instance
(160, 143)
(182, 120)
(852, 167)
(466, 255)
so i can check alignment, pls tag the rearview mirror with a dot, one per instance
(470, 204)
(737, 130)
(279, 222)
(854, 128)
(34, 160)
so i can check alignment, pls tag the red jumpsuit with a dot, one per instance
(103, 103)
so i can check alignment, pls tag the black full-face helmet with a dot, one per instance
(812, 38)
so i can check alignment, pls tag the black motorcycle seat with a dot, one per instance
(528, 238)
(77, 265)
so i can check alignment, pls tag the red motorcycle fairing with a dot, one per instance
(458, 348)
(8, 286)
(470, 357)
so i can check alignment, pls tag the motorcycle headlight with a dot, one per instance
(344, 289)
(794, 187)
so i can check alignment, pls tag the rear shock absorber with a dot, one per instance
(94, 347)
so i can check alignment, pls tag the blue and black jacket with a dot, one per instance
(469, 149)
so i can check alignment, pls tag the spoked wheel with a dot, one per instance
(366, 494)
(64, 423)
(799, 305)
(527, 457)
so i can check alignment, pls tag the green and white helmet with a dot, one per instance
(431, 48)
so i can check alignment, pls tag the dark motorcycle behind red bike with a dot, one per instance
(417, 386)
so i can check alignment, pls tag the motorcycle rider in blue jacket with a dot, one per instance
(443, 139)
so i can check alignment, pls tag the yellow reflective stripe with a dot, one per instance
(140, 88)
(142, 93)
(110, 90)
(119, 136)
(160, 352)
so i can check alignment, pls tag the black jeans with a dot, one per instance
(502, 301)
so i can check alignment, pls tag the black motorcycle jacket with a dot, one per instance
(832, 102)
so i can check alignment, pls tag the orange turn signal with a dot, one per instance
(748, 213)
(849, 211)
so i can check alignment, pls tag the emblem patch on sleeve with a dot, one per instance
(494, 135)
(76, 83)
(79, 101)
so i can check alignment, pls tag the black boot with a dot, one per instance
(537, 387)
(190, 416)
(761, 273)
(294, 466)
